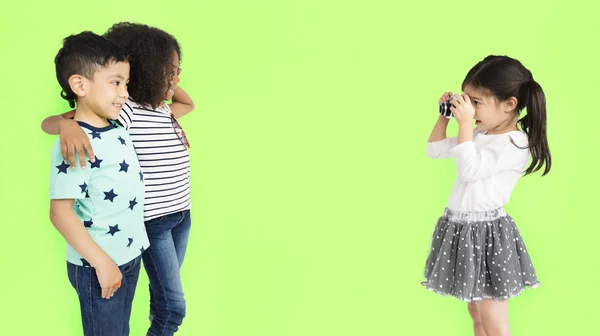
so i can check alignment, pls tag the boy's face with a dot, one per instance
(107, 92)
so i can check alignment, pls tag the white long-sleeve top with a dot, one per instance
(487, 168)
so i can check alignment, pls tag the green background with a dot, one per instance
(313, 199)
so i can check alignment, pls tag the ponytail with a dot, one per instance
(534, 125)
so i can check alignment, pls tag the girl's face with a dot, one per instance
(490, 114)
(172, 85)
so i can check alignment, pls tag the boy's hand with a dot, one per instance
(73, 138)
(109, 277)
(463, 110)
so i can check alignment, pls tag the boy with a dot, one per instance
(98, 208)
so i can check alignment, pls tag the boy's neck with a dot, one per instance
(86, 115)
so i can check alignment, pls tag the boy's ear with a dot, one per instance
(76, 83)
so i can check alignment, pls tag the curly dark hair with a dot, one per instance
(83, 54)
(150, 57)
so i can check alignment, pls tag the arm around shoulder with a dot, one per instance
(72, 137)
(51, 125)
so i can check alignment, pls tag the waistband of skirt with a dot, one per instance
(474, 216)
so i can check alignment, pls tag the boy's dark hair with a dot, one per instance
(151, 60)
(83, 54)
(506, 77)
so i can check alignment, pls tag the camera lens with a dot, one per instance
(445, 110)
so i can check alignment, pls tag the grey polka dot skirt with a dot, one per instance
(478, 255)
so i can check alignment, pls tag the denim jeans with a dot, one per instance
(104, 317)
(168, 237)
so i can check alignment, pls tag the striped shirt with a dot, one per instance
(164, 160)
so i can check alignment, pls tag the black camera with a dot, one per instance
(445, 108)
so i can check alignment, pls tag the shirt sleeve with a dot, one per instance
(67, 183)
(441, 149)
(475, 164)
(126, 115)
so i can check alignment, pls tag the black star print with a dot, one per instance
(132, 203)
(122, 141)
(83, 187)
(113, 229)
(62, 168)
(95, 135)
(88, 223)
(124, 166)
(130, 242)
(110, 195)
(141, 176)
(85, 263)
(95, 164)
(86, 194)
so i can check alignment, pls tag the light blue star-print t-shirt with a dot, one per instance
(108, 194)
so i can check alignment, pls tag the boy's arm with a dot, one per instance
(181, 104)
(72, 137)
(70, 227)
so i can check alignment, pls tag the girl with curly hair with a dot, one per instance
(162, 149)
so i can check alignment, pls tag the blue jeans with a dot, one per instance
(104, 317)
(168, 237)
